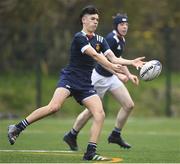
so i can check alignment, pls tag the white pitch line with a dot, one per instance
(40, 151)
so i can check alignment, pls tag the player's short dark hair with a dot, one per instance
(90, 9)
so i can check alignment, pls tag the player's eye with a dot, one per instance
(93, 18)
(124, 24)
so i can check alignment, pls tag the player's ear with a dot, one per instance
(83, 19)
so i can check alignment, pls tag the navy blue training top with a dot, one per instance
(79, 70)
(117, 45)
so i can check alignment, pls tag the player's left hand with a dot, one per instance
(134, 79)
(122, 77)
(138, 62)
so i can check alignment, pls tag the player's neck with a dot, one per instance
(87, 32)
(119, 35)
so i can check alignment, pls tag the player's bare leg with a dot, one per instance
(122, 95)
(71, 137)
(54, 105)
(82, 119)
(58, 99)
(94, 105)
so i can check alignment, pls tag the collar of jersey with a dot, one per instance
(115, 32)
(86, 34)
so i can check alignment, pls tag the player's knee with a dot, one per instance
(100, 115)
(53, 108)
(103, 115)
(128, 106)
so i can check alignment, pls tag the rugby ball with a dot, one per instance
(150, 70)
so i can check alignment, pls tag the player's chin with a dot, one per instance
(123, 33)
(94, 28)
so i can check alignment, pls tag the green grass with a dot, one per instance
(154, 140)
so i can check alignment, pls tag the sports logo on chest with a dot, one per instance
(98, 47)
(119, 47)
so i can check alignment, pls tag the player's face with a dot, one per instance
(122, 28)
(90, 22)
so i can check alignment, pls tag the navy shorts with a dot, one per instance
(77, 88)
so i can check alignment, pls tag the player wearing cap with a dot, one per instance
(104, 81)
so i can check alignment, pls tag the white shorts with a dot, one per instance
(103, 84)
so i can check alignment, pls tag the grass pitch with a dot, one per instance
(154, 140)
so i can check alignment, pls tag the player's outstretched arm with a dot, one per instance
(137, 62)
(101, 59)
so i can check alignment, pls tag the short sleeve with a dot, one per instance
(82, 42)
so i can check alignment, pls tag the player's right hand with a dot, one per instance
(117, 68)
(138, 62)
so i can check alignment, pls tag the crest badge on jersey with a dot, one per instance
(98, 47)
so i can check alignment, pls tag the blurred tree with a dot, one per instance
(58, 21)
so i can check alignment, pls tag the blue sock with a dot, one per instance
(73, 133)
(91, 147)
(22, 125)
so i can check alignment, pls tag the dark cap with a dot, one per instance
(119, 19)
